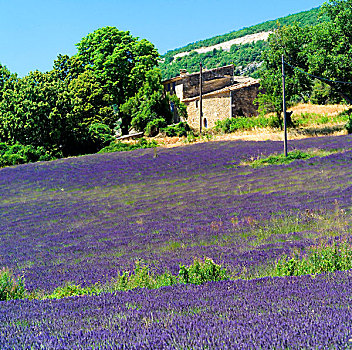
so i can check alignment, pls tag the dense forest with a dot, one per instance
(247, 57)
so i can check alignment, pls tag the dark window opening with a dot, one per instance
(205, 122)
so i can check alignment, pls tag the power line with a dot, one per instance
(317, 77)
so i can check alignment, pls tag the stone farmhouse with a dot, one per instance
(223, 95)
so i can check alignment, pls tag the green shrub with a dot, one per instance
(281, 159)
(202, 271)
(21, 154)
(122, 146)
(70, 289)
(230, 125)
(153, 127)
(180, 129)
(348, 125)
(322, 258)
(100, 134)
(11, 287)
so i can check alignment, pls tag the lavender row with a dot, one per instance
(86, 219)
(271, 313)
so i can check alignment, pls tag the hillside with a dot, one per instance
(242, 48)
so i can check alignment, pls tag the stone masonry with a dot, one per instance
(224, 95)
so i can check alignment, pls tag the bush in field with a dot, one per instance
(20, 154)
(11, 287)
(121, 146)
(180, 129)
(202, 271)
(323, 258)
(71, 289)
(281, 159)
(100, 134)
(242, 123)
(348, 125)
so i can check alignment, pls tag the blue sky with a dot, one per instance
(33, 33)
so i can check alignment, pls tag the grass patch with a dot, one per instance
(320, 259)
(278, 159)
(230, 125)
(143, 276)
(308, 119)
(11, 286)
(124, 146)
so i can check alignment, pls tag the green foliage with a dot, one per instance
(72, 109)
(153, 127)
(148, 110)
(322, 258)
(323, 94)
(142, 276)
(71, 289)
(119, 60)
(348, 115)
(286, 39)
(349, 125)
(230, 125)
(20, 154)
(202, 271)
(11, 286)
(322, 50)
(281, 159)
(100, 134)
(122, 146)
(180, 129)
(240, 55)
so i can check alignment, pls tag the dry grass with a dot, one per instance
(329, 110)
(274, 134)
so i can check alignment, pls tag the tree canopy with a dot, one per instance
(323, 51)
(75, 107)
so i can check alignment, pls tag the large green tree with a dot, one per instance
(74, 108)
(30, 111)
(324, 51)
(119, 61)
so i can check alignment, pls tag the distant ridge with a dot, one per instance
(245, 56)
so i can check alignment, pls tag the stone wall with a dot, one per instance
(215, 107)
(214, 79)
(187, 85)
(242, 101)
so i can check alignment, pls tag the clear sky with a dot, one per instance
(34, 32)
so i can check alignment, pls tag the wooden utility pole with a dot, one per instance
(284, 105)
(200, 97)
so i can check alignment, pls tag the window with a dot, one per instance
(205, 122)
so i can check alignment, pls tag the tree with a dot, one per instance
(287, 41)
(74, 108)
(118, 60)
(30, 111)
(6, 79)
(324, 51)
(149, 109)
(89, 104)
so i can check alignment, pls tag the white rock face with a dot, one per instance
(251, 38)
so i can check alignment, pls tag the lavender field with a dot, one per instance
(84, 220)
